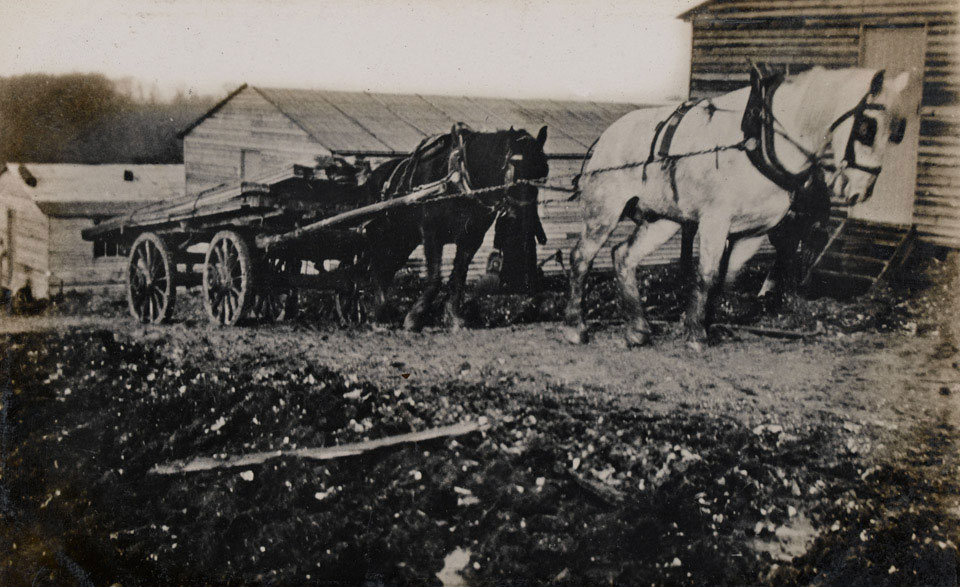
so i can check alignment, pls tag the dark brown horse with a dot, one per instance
(478, 160)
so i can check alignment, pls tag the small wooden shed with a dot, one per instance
(44, 206)
(255, 130)
(920, 183)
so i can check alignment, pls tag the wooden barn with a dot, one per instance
(44, 206)
(919, 189)
(255, 130)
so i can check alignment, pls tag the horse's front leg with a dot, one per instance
(626, 257)
(713, 240)
(468, 244)
(687, 234)
(382, 278)
(783, 276)
(432, 252)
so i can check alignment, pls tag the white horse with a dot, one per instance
(820, 121)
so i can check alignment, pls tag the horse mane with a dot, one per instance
(819, 96)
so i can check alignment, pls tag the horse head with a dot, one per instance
(858, 136)
(503, 158)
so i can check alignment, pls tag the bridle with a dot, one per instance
(511, 161)
(863, 131)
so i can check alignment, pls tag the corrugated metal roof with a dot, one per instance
(357, 122)
(67, 182)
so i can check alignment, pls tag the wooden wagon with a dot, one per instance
(264, 241)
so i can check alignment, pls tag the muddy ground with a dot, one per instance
(827, 460)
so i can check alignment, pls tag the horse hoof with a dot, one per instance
(769, 303)
(412, 324)
(636, 338)
(455, 322)
(695, 345)
(575, 335)
(695, 334)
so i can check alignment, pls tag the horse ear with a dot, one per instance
(542, 136)
(900, 82)
(876, 85)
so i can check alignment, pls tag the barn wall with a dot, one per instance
(71, 261)
(212, 150)
(30, 232)
(794, 35)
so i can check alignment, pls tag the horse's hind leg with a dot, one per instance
(626, 257)
(596, 231)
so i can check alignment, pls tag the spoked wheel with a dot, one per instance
(227, 278)
(151, 290)
(355, 304)
(276, 299)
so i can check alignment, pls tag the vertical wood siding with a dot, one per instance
(793, 35)
(30, 237)
(71, 261)
(212, 150)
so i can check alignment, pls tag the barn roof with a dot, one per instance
(782, 9)
(66, 189)
(353, 123)
(688, 14)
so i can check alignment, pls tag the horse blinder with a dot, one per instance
(898, 131)
(864, 131)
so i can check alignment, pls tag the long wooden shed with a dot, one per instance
(254, 130)
(920, 184)
(44, 206)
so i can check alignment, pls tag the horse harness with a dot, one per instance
(759, 131)
(458, 173)
(668, 128)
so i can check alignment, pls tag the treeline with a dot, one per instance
(89, 118)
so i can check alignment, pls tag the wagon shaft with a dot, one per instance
(420, 196)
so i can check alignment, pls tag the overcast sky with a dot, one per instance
(595, 49)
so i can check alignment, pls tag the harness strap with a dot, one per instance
(758, 131)
(670, 128)
(857, 113)
(458, 155)
(667, 128)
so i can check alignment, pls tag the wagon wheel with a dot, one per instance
(227, 278)
(151, 291)
(354, 303)
(276, 299)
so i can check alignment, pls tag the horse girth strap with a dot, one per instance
(758, 133)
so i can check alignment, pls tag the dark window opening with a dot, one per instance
(106, 249)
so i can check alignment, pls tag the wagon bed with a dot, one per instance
(258, 236)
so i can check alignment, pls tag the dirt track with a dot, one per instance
(830, 461)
